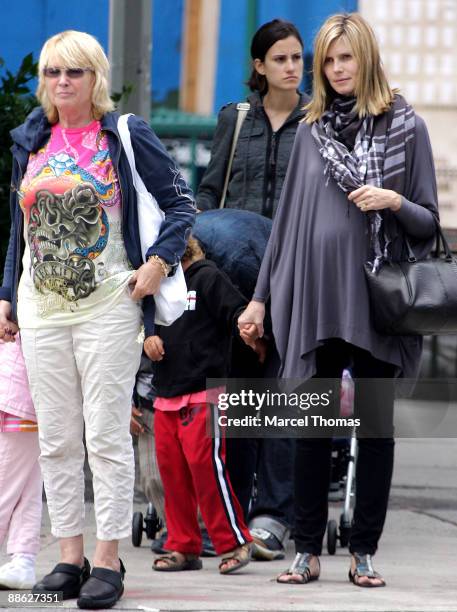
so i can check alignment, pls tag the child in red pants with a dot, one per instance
(191, 462)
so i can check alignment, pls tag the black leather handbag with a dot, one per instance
(417, 296)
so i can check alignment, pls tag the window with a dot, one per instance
(447, 36)
(396, 36)
(414, 36)
(412, 64)
(381, 35)
(449, 13)
(411, 89)
(431, 7)
(395, 63)
(447, 67)
(431, 36)
(381, 10)
(414, 10)
(430, 65)
(447, 92)
(430, 93)
(398, 9)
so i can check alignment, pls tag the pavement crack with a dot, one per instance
(407, 487)
(436, 517)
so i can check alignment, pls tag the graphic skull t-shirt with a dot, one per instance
(75, 262)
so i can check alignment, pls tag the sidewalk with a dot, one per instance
(417, 556)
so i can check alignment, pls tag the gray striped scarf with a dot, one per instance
(378, 157)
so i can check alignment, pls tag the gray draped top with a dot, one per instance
(313, 265)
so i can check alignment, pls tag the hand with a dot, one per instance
(146, 280)
(153, 347)
(250, 323)
(8, 329)
(136, 427)
(261, 348)
(369, 198)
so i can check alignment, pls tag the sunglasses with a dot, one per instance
(71, 73)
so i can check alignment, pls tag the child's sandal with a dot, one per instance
(363, 575)
(177, 563)
(241, 555)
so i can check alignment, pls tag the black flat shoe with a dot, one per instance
(103, 589)
(65, 577)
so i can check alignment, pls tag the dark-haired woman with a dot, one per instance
(267, 134)
(361, 178)
(257, 175)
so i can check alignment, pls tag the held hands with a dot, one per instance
(250, 324)
(153, 347)
(369, 198)
(261, 349)
(8, 329)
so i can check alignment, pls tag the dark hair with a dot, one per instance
(265, 37)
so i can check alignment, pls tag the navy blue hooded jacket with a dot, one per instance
(159, 173)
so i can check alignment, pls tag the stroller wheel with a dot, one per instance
(345, 531)
(331, 537)
(137, 529)
(152, 522)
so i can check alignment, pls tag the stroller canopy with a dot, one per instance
(235, 240)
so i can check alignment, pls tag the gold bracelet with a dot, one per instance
(163, 264)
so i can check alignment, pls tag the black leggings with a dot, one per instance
(374, 460)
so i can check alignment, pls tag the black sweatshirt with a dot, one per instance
(197, 345)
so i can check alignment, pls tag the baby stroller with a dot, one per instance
(236, 241)
(151, 524)
(342, 486)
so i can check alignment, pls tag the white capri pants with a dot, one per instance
(84, 375)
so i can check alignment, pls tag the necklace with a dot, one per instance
(69, 147)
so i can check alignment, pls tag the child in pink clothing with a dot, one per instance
(20, 476)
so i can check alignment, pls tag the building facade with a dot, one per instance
(200, 48)
(200, 53)
(417, 40)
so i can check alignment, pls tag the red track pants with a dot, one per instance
(192, 467)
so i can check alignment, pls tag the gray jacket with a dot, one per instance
(260, 162)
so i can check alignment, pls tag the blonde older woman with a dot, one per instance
(73, 283)
(360, 179)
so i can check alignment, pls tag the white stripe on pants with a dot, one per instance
(84, 374)
(20, 492)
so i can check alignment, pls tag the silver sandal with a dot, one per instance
(300, 567)
(364, 569)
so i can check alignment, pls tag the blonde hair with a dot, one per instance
(373, 93)
(193, 250)
(76, 50)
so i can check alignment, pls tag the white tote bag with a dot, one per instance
(172, 296)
